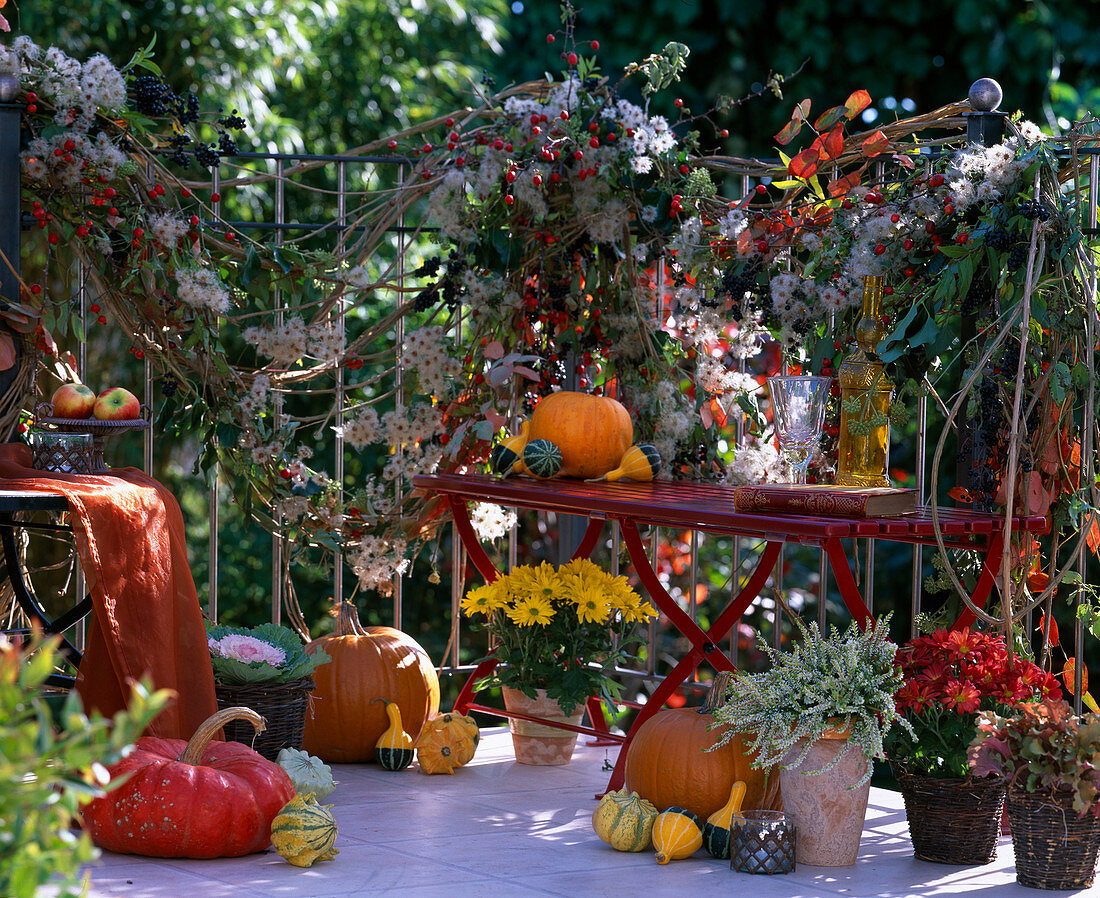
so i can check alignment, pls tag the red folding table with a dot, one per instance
(707, 508)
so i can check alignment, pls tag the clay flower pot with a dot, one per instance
(828, 815)
(535, 743)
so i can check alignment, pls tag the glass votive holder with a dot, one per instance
(762, 842)
(61, 452)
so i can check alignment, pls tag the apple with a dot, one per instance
(116, 404)
(72, 401)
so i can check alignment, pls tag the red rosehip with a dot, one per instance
(53, 238)
(140, 354)
(565, 115)
(578, 155)
(550, 38)
(684, 169)
(929, 227)
(109, 192)
(895, 218)
(102, 319)
(594, 142)
(595, 45)
(36, 289)
(937, 180)
(139, 233)
(509, 199)
(82, 231)
(761, 188)
(392, 144)
(572, 59)
(907, 244)
(450, 122)
(69, 146)
(194, 220)
(880, 249)
(510, 175)
(32, 107)
(537, 180)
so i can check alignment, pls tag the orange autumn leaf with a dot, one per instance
(1037, 581)
(1092, 534)
(841, 186)
(794, 126)
(834, 143)
(1069, 673)
(718, 413)
(875, 144)
(1052, 637)
(857, 101)
(804, 165)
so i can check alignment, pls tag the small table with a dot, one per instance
(13, 504)
(707, 508)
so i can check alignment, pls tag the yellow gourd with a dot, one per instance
(445, 743)
(394, 748)
(624, 820)
(304, 832)
(676, 835)
(716, 831)
(640, 462)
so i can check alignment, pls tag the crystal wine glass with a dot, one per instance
(798, 408)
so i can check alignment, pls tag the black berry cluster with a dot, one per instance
(1000, 239)
(978, 297)
(1032, 209)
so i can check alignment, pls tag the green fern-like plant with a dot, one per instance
(823, 683)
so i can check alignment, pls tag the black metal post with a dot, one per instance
(10, 218)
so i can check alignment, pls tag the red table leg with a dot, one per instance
(846, 582)
(990, 566)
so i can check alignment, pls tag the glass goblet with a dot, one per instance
(798, 411)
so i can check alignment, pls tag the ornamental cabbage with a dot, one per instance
(309, 774)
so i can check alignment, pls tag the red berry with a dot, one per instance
(565, 115)
(948, 209)
(194, 221)
(684, 169)
(846, 204)
(31, 96)
(185, 193)
(215, 197)
(427, 148)
(880, 249)
(510, 175)
(907, 244)
(962, 238)
(284, 473)
(594, 142)
(572, 59)
(908, 272)
(53, 238)
(761, 188)
(895, 218)
(537, 180)
(69, 146)
(887, 291)
(102, 319)
(36, 289)
(31, 107)
(139, 233)
(724, 132)
(761, 246)
(82, 231)
(929, 228)
(937, 180)
(140, 354)
(392, 144)
(509, 199)
(109, 193)
(595, 45)
(550, 38)
(159, 188)
(450, 122)
(677, 102)
(578, 155)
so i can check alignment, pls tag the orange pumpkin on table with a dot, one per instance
(343, 722)
(668, 764)
(592, 433)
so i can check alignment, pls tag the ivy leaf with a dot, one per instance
(1061, 381)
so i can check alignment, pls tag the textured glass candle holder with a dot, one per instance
(762, 842)
(61, 452)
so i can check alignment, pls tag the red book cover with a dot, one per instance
(819, 500)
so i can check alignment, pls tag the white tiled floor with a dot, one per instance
(500, 828)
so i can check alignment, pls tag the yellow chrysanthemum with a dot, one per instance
(542, 582)
(530, 611)
(591, 604)
(481, 599)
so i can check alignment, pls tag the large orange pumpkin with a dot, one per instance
(343, 722)
(592, 432)
(668, 764)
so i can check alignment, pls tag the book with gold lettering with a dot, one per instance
(824, 500)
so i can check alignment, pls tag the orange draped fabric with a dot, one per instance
(146, 618)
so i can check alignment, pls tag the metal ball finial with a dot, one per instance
(985, 95)
(9, 87)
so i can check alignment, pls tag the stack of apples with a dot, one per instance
(78, 401)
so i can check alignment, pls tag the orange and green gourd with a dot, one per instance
(504, 455)
(394, 748)
(640, 462)
(677, 834)
(464, 730)
(304, 832)
(716, 831)
(624, 820)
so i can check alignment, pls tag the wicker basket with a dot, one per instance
(952, 821)
(1055, 849)
(282, 706)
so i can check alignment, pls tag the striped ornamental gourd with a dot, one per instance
(394, 748)
(304, 832)
(677, 833)
(716, 831)
(624, 820)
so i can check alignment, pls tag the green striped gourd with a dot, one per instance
(624, 820)
(394, 748)
(304, 832)
(541, 458)
(677, 833)
(716, 831)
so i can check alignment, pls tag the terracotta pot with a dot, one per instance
(536, 743)
(828, 815)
